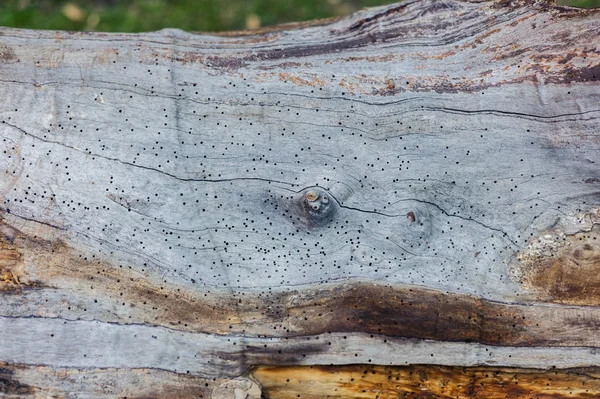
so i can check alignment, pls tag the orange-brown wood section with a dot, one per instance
(425, 382)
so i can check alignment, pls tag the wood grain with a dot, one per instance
(414, 184)
(18, 381)
(421, 381)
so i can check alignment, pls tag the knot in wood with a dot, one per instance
(317, 205)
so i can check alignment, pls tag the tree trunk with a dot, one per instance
(407, 200)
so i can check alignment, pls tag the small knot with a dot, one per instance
(318, 205)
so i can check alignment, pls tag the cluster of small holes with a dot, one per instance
(411, 381)
(196, 183)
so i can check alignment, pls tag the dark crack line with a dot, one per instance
(507, 113)
(191, 179)
(375, 212)
(115, 323)
(153, 93)
(504, 234)
(34, 220)
(128, 207)
(367, 211)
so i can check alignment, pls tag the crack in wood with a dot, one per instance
(178, 208)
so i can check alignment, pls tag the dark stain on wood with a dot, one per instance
(10, 386)
(157, 384)
(361, 37)
(589, 74)
(563, 268)
(366, 22)
(425, 382)
(166, 294)
(274, 353)
(398, 311)
(556, 67)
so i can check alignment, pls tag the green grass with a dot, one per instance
(190, 15)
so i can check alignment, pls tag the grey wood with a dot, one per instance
(155, 188)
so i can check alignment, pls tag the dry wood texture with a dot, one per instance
(416, 184)
(425, 382)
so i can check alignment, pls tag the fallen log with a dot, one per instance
(412, 189)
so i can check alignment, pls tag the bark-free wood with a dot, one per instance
(415, 184)
(363, 381)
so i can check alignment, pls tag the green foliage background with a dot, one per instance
(190, 15)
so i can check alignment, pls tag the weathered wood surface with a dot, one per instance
(415, 184)
(361, 381)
